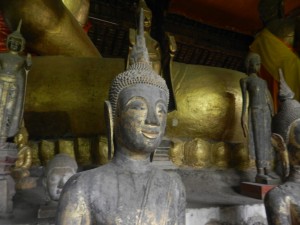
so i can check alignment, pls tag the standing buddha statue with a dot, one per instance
(13, 73)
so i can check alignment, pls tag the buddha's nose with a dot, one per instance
(152, 118)
(62, 182)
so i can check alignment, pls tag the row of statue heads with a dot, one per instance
(137, 109)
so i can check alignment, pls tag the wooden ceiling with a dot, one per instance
(207, 32)
(197, 42)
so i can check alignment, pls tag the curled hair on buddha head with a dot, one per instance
(16, 35)
(139, 71)
(61, 160)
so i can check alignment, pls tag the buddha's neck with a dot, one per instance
(295, 174)
(132, 162)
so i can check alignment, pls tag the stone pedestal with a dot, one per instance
(227, 215)
(46, 214)
(8, 157)
(255, 190)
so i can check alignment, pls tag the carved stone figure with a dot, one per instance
(13, 72)
(58, 171)
(260, 111)
(282, 203)
(288, 112)
(129, 190)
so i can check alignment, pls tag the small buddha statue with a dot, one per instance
(20, 171)
(57, 172)
(129, 189)
(260, 111)
(282, 203)
(13, 72)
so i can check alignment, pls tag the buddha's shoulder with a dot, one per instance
(94, 176)
(171, 177)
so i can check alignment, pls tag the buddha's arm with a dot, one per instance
(73, 208)
(277, 208)
(181, 201)
(243, 84)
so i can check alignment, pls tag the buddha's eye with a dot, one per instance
(137, 104)
(161, 108)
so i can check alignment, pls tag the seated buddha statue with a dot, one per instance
(282, 203)
(20, 171)
(129, 189)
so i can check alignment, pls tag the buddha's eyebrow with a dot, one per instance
(135, 98)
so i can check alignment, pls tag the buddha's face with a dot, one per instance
(294, 143)
(141, 118)
(56, 180)
(254, 64)
(15, 44)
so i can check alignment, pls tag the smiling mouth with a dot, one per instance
(151, 135)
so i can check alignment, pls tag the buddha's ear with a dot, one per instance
(109, 126)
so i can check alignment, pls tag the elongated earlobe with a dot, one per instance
(109, 126)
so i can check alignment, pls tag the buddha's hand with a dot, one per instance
(244, 126)
(28, 61)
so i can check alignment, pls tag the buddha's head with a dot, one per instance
(57, 173)
(139, 98)
(15, 41)
(294, 142)
(252, 63)
(21, 137)
(285, 92)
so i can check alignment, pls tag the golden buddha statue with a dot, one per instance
(152, 45)
(51, 29)
(76, 107)
(129, 189)
(21, 169)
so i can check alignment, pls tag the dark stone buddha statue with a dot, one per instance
(129, 190)
(283, 202)
(260, 111)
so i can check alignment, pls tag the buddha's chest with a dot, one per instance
(132, 199)
(11, 65)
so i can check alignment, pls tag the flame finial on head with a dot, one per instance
(285, 91)
(139, 71)
(139, 53)
(17, 35)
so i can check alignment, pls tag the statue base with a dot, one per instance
(6, 210)
(255, 190)
(267, 180)
(46, 214)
